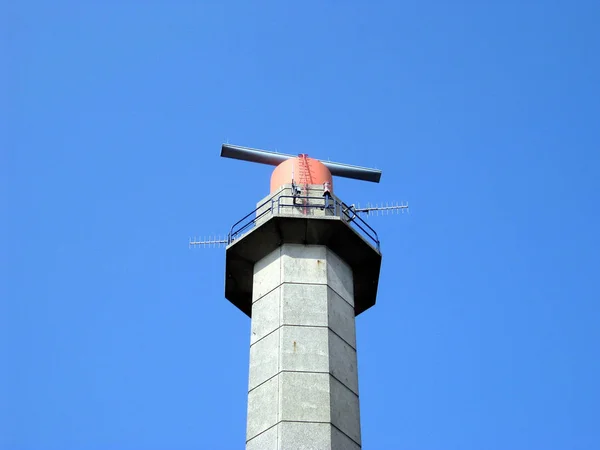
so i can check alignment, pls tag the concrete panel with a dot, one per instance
(262, 408)
(304, 436)
(339, 277)
(341, 317)
(339, 441)
(264, 441)
(304, 396)
(267, 274)
(304, 349)
(342, 362)
(345, 413)
(264, 360)
(265, 315)
(304, 304)
(303, 264)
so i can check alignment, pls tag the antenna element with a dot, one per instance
(210, 242)
(384, 209)
(274, 159)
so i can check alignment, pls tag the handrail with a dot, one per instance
(344, 210)
(356, 216)
(231, 233)
(340, 208)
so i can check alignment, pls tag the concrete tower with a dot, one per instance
(302, 266)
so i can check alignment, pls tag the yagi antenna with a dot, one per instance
(383, 209)
(274, 159)
(208, 242)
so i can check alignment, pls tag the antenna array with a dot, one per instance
(212, 241)
(386, 209)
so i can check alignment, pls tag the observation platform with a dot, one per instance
(286, 217)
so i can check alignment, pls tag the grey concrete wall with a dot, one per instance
(303, 380)
(287, 207)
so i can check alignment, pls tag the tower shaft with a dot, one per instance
(303, 379)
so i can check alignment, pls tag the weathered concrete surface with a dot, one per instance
(342, 362)
(304, 349)
(304, 304)
(267, 440)
(264, 359)
(263, 405)
(282, 203)
(303, 381)
(296, 435)
(345, 410)
(302, 436)
(266, 314)
(340, 318)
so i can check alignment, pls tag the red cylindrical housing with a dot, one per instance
(304, 170)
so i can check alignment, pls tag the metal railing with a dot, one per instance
(274, 207)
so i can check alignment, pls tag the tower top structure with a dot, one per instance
(302, 265)
(301, 209)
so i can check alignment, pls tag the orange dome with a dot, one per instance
(317, 173)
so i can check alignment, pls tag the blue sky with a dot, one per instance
(483, 116)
